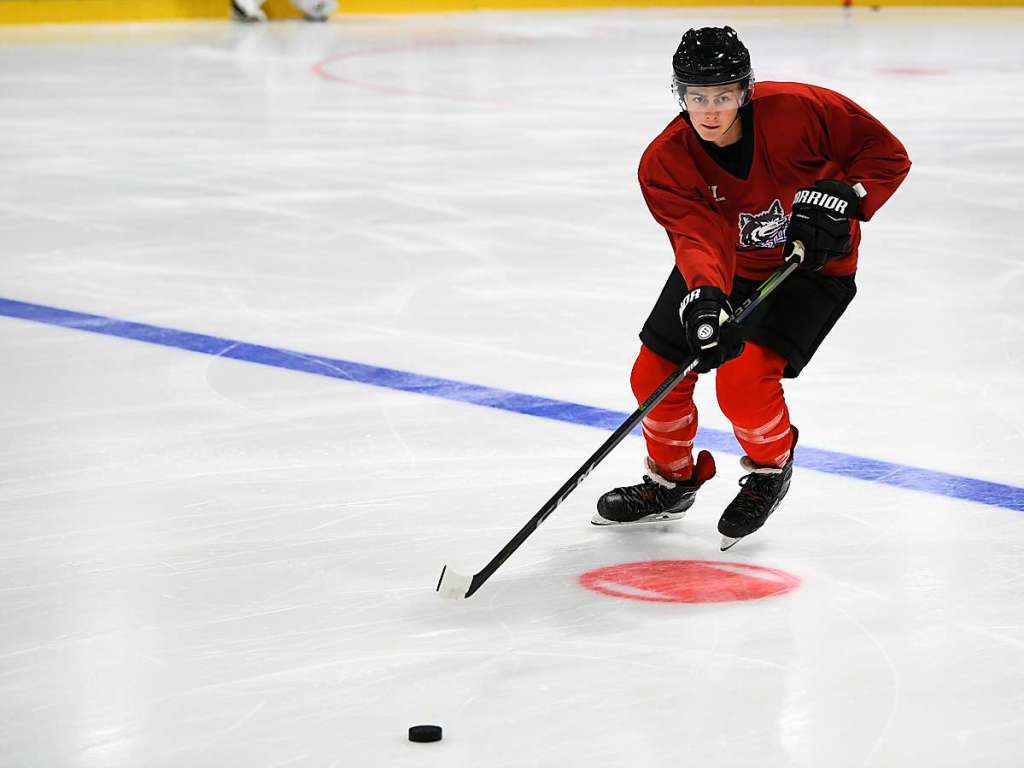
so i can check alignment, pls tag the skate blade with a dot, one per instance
(728, 542)
(663, 517)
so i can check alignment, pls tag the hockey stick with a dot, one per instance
(455, 585)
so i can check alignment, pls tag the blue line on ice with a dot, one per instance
(898, 475)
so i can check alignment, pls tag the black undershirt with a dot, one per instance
(738, 157)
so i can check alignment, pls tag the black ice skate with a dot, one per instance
(761, 493)
(656, 499)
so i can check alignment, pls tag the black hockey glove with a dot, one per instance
(821, 221)
(713, 343)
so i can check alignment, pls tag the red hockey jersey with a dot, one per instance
(721, 225)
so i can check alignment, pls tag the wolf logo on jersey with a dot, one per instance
(766, 229)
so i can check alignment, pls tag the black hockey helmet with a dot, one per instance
(711, 56)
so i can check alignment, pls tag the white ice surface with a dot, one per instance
(206, 562)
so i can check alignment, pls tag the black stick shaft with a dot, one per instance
(617, 437)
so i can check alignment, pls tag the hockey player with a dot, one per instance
(311, 10)
(736, 179)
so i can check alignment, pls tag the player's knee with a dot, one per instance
(749, 382)
(649, 371)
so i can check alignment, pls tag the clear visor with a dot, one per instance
(710, 98)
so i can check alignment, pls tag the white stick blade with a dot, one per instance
(453, 585)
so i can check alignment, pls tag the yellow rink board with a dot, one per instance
(58, 11)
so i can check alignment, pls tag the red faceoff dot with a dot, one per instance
(689, 581)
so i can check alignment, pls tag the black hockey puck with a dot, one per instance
(424, 734)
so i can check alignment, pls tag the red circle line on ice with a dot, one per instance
(689, 581)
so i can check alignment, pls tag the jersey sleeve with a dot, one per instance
(675, 195)
(864, 148)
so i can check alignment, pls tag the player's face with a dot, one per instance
(713, 109)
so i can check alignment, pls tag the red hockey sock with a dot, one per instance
(750, 395)
(671, 427)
